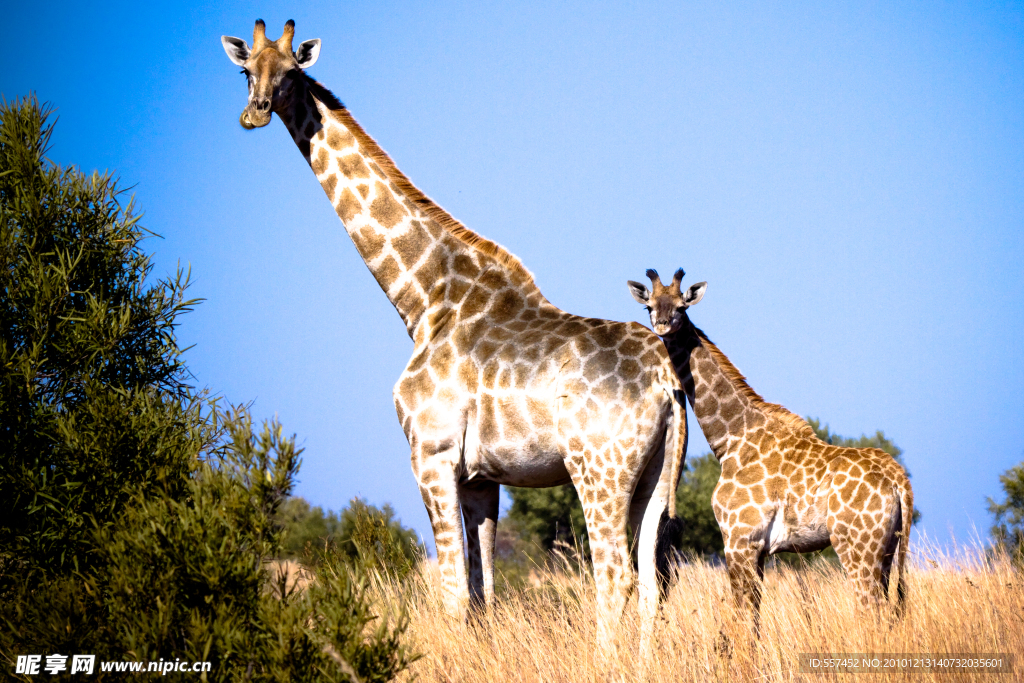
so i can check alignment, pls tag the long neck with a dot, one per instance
(724, 407)
(409, 243)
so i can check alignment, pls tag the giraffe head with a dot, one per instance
(667, 303)
(271, 68)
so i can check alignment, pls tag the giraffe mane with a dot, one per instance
(444, 219)
(795, 423)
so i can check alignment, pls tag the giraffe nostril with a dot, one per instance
(265, 105)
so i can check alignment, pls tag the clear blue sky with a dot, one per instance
(849, 179)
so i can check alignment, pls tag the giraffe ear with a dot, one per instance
(237, 49)
(694, 293)
(639, 292)
(307, 53)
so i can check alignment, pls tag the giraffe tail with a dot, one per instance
(907, 505)
(678, 440)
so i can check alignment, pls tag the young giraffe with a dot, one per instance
(502, 387)
(782, 489)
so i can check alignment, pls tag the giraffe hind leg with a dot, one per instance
(648, 488)
(480, 513)
(649, 581)
(884, 551)
(891, 544)
(862, 558)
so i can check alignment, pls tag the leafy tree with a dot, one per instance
(136, 520)
(94, 407)
(697, 530)
(516, 554)
(375, 539)
(1008, 529)
(305, 527)
(363, 534)
(549, 515)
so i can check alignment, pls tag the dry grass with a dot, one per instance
(959, 603)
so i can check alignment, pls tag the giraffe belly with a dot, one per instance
(530, 466)
(527, 458)
(796, 533)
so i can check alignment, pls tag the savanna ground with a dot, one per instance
(960, 603)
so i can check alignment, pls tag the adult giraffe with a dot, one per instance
(502, 387)
(782, 489)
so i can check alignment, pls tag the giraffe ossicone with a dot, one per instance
(502, 386)
(782, 489)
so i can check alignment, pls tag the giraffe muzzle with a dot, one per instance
(254, 117)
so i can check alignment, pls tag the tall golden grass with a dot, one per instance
(960, 602)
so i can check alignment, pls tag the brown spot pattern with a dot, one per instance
(384, 209)
(348, 206)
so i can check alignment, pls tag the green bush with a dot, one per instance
(517, 553)
(305, 528)
(374, 539)
(188, 579)
(366, 536)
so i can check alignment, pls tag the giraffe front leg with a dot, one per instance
(745, 561)
(613, 567)
(439, 488)
(480, 512)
